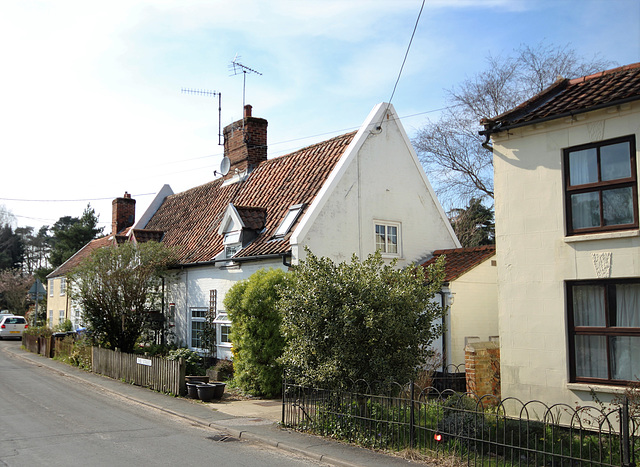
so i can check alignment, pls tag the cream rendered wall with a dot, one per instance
(379, 178)
(473, 308)
(534, 256)
(57, 302)
(192, 290)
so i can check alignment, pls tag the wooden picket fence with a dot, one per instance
(153, 372)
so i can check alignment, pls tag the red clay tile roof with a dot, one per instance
(81, 254)
(191, 219)
(461, 260)
(252, 218)
(569, 97)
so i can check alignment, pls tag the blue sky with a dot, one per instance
(90, 91)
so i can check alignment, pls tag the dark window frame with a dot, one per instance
(608, 331)
(600, 186)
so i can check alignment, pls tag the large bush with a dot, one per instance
(255, 332)
(358, 320)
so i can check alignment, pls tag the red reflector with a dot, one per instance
(26, 326)
(3, 326)
(437, 437)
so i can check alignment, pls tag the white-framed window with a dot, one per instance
(61, 317)
(63, 286)
(231, 250)
(50, 318)
(387, 237)
(289, 219)
(198, 321)
(50, 287)
(225, 330)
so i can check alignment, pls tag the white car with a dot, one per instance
(12, 326)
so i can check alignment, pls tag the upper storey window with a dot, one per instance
(601, 191)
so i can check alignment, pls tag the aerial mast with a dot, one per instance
(202, 92)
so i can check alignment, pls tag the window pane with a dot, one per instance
(618, 206)
(615, 161)
(392, 239)
(628, 305)
(588, 305)
(591, 357)
(585, 210)
(198, 312)
(224, 334)
(380, 238)
(625, 356)
(583, 167)
(196, 333)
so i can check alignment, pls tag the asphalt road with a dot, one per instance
(48, 419)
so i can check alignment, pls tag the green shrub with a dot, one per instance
(191, 358)
(255, 333)
(65, 326)
(224, 369)
(40, 331)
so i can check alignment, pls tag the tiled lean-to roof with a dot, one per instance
(190, 220)
(70, 264)
(572, 96)
(461, 260)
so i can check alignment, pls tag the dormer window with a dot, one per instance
(289, 220)
(239, 226)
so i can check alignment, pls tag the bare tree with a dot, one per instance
(451, 149)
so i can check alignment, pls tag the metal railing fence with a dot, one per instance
(482, 430)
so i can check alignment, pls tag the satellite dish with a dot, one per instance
(225, 165)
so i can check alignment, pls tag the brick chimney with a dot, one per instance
(245, 143)
(123, 213)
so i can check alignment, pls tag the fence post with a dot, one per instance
(625, 433)
(412, 433)
(284, 388)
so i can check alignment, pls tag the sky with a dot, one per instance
(90, 92)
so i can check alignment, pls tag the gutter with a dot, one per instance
(241, 259)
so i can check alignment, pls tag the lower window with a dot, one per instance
(198, 321)
(604, 330)
(224, 334)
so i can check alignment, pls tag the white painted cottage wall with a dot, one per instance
(192, 290)
(378, 179)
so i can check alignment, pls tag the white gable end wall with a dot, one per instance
(379, 178)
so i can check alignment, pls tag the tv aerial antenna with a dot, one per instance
(236, 68)
(202, 92)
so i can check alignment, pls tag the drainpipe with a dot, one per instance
(444, 332)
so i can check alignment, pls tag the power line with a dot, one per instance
(405, 56)
(67, 200)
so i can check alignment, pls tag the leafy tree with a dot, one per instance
(36, 250)
(70, 234)
(11, 248)
(451, 149)
(116, 287)
(474, 225)
(360, 320)
(255, 332)
(14, 288)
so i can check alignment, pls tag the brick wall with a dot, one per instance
(482, 368)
